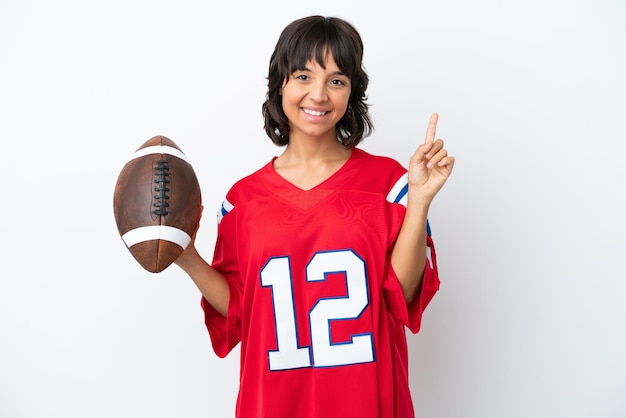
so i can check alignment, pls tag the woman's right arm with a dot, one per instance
(209, 281)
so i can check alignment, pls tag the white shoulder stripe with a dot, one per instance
(398, 193)
(160, 149)
(154, 232)
(224, 209)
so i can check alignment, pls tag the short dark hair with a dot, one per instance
(311, 38)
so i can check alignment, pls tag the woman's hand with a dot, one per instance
(430, 165)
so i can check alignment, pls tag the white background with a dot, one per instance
(530, 231)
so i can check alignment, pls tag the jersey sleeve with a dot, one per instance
(411, 315)
(225, 332)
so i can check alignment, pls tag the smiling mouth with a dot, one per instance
(313, 112)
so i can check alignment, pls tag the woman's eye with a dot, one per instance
(338, 82)
(302, 77)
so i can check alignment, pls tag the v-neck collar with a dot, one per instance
(279, 182)
(307, 199)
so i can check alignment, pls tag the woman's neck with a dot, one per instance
(306, 165)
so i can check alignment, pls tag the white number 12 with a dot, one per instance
(323, 352)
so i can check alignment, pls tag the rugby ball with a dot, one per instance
(157, 203)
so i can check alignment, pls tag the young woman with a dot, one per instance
(323, 256)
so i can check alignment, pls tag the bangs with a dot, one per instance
(315, 42)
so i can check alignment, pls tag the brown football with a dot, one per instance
(157, 203)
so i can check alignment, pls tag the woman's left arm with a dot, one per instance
(429, 168)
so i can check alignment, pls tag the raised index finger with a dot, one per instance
(432, 128)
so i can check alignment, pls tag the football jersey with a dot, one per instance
(314, 301)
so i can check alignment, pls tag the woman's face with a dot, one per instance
(315, 99)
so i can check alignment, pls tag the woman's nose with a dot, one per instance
(319, 91)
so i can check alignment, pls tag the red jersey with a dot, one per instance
(314, 300)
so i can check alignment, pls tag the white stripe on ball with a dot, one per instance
(163, 232)
(160, 149)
